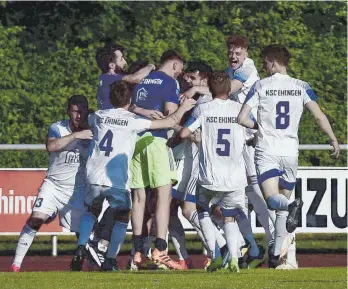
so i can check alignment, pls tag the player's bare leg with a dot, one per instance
(26, 237)
(138, 210)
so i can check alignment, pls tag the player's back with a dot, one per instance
(153, 92)
(103, 94)
(114, 137)
(221, 152)
(280, 101)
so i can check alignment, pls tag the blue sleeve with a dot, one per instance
(53, 131)
(171, 92)
(117, 77)
(311, 93)
(242, 74)
(190, 121)
(251, 92)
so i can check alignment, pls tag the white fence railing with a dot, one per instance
(43, 147)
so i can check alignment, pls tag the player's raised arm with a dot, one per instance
(175, 117)
(324, 124)
(139, 75)
(244, 117)
(77, 111)
(57, 144)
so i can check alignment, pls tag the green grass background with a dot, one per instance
(305, 243)
(318, 278)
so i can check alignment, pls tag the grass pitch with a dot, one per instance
(316, 278)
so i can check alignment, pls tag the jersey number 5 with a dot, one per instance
(283, 117)
(105, 143)
(225, 151)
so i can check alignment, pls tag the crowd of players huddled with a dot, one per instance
(216, 144)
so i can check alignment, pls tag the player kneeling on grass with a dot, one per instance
(62, 191)
(222, 172)
(279, 100)
(114, 137)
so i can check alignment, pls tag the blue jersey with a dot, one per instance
(153, 92)
(103, 96)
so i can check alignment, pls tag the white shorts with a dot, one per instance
(227, 200)
(117, 198)
(249, 159)
(52, 200)
(187, 172)
(268, 166)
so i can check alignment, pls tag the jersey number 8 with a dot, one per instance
(283, 117)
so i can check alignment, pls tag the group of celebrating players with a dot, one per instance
(214, 143)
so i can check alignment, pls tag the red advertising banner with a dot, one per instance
(18, 191)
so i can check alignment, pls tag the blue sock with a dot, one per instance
(86, 227)
(117, 238)
(278, 202)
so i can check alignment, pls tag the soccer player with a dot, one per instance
(222, 172)
(153, 164)
(111, 61)
(62, 191)
(279, 100)
(108, 167)
(243, 75)
(186, 158)
(97, 247)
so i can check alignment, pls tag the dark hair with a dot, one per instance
(105, 55)
(237, 41)
(120, 94)
(171, 54)
(137, 65)
(204, 69)
(219, 83)
(77, 99)
(276, 52)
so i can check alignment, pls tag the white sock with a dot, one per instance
(220, 240)
(177, 233)
(207, 227)
(291, 256)
(260, 207)
(280, 231)
(245, 229)
(232, 236)
(117, 238)
(196, 225)
(24, 242)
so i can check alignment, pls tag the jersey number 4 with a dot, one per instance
(106, 142)
(283, 117)
(225, 151)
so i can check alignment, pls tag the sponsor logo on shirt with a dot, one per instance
(72, 157)
(141, 94)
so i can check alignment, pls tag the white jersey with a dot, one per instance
(114, 137)
(187, 149)
(247, 74)
(279, 100)
(221, 163)
(67, 167)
